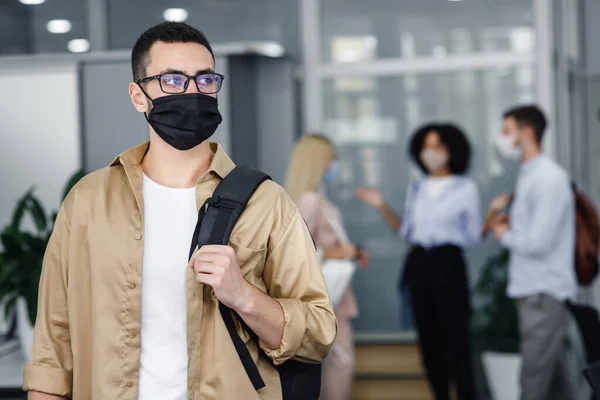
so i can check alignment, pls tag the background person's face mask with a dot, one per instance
(507, 148)
(184, 120)
(434, 160)
(332, 172)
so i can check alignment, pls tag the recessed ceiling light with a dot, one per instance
(349, 56)
(455, 0)
(32, 2)
(273, 49)
(59, 26)
(370, 42)
(175, 14)
(78, 45)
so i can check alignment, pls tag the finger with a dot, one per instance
(195, 257)
(207, 268)
(212, 258)
(502, 219)
(212, 251)
(206, 279)
(216, 249)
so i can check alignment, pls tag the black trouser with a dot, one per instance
(436, 280)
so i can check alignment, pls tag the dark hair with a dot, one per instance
(459, 148)
(530, 116)
(168, 32)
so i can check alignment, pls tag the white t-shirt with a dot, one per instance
(434, 186)
(169, 222)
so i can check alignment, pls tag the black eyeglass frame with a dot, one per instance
(185, 87)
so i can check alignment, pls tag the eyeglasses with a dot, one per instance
(175, 83)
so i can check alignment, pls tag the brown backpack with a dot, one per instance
(587, 238)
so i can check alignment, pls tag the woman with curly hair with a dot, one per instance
(442, 216)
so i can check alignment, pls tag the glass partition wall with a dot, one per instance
(373, 74)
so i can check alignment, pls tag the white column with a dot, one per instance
(544, 49)
(310, 24)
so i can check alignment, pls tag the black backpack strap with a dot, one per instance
(214, 226)
(201, 213)
(241, 349)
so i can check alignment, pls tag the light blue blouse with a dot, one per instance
(452, 217)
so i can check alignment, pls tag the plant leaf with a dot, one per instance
(12, 241)
(10, 304)
(38, 213)
(22, 252)
(72, 182)
(7, 272)
(20, 209)
(495, 320)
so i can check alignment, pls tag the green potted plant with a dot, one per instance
(21, 256)
(496, 329)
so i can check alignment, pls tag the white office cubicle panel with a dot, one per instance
(40, 131)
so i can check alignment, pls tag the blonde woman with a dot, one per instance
(312, 165)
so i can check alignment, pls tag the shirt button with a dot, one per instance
(129, 384)
(131, 335)
(131, 286)
(138, 236)
(194, 296)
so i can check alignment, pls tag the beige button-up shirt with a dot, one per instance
(87, 334)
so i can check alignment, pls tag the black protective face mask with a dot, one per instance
(185, 120)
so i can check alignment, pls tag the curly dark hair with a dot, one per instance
(452, 137)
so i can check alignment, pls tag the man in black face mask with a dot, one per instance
(122, 313)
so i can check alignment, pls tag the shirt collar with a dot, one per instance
(531, 164)
(221, 164)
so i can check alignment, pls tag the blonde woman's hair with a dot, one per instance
(310, 159)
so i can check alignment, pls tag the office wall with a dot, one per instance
(276, 119)
(262, 105)
(591, 32)
(111, 124)
(40, 131)
(15, 17)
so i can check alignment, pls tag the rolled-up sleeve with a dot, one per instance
(51, 363)
(293, 277)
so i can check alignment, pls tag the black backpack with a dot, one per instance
(216, 219)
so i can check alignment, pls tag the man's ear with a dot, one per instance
(529, 135)
(138, 98)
